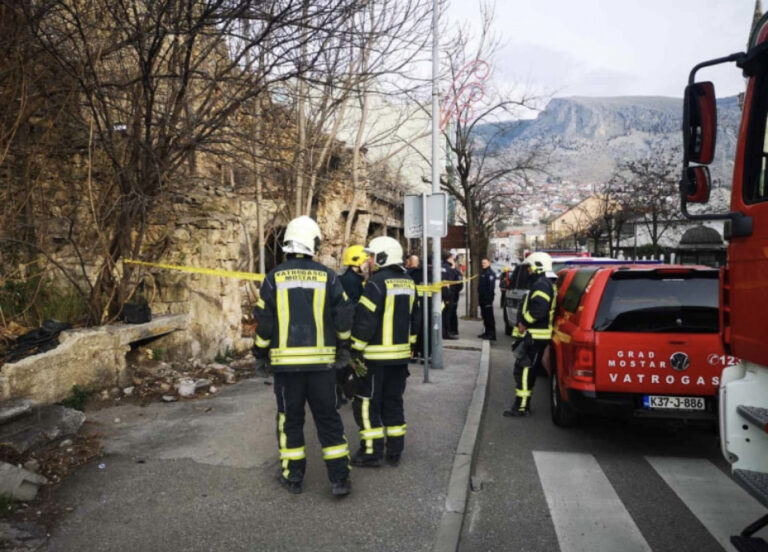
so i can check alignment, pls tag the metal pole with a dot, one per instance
(437, 336)
(260, 224)
(425, 294)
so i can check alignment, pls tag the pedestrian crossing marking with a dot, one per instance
(587, 513)
(719, 503)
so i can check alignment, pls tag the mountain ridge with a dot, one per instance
(587, 136)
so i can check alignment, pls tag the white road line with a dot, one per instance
(587, 513)
(715, 499)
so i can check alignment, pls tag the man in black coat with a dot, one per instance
(486, 289)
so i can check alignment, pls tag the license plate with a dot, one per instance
(674, 403)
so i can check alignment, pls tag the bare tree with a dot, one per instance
(160, 81)
(648, 187)
(488, 184)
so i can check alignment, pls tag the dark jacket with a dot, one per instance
(386, 321)
(301, 314)
(352, 282)
(448, 273)
(486, 286)
(538, 308)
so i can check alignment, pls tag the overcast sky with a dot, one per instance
(614, 47)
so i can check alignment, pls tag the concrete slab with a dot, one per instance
(88, 357)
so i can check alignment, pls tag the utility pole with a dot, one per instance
(437, 335)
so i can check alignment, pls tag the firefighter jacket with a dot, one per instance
(352, 282)
(301, 314)
(538, 309)
(386, 322)
(486, 286)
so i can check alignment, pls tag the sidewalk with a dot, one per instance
(199, 475)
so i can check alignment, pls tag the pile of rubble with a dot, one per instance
(39, 445)
(171, 381)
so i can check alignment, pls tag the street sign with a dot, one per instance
(412, 216)
(437, 216)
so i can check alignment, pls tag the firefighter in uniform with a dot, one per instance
(533, 331)
(353, 277)
(385, 324)
(302, 315)
(352, 280)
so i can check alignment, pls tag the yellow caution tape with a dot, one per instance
(437, 288)
(429, 288)
(209, 271)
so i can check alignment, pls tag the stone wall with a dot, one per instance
(93, 358)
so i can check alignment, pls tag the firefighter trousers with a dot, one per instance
(318, 388)
(378, 410)
(527, 365)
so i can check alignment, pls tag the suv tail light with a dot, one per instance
(584, 364)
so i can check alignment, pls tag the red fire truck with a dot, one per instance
(744, 280)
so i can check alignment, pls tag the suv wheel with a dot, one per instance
(563, 414)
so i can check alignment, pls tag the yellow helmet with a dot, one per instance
(354, 255)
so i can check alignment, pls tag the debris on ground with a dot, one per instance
(38, 448)
(155, 380)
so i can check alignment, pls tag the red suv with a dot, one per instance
(640, 340)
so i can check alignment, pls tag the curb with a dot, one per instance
(449, 531)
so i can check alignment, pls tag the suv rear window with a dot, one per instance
(635, 301)
(576, 288)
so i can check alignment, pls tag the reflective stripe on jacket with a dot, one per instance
(537, 311)
(386, 321)
(301, 313)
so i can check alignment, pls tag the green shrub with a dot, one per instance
(79, 398)
(7, 505)
(224, 357)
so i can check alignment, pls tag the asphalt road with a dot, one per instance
(605, 485)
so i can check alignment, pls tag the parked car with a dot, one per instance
(636, 340)
(519, 282)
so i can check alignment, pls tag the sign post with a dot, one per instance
(425, 216)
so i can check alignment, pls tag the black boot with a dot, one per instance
(292, 486)
(393, 460)
(342, 487)
(365, 461)
(516, 413)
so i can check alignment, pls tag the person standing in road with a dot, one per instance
(486, 289)
(304, 322)
(533, 330)
(384, 328)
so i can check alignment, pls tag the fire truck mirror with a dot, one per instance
(700, 122)
(698, 184)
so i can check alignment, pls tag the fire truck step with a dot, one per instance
(754, 414)
(756, 483)
(749, 544)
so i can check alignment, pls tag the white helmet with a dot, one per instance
(539, 261)
(302, 236)
(386, 251)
